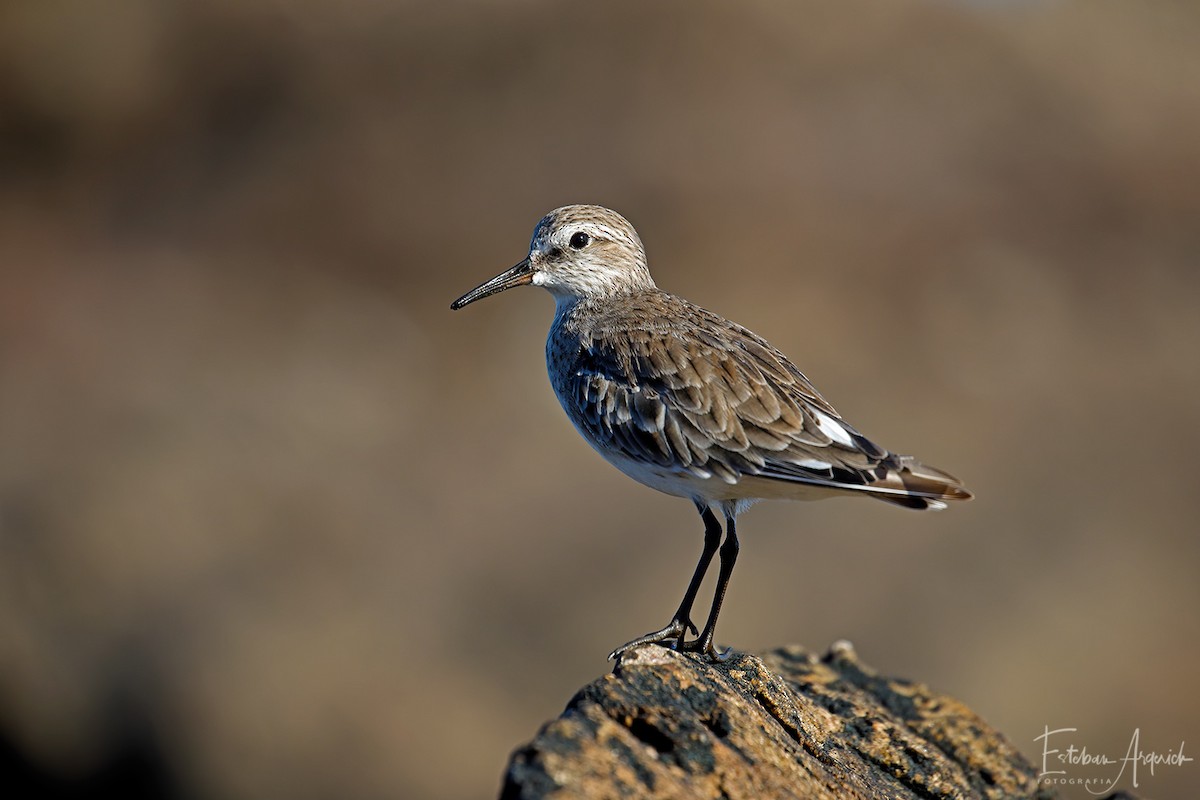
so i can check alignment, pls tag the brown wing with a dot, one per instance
(718, 400)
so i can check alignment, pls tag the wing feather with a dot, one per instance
(714, 399)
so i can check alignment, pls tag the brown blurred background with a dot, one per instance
(274, 522)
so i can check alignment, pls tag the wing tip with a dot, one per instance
(924, 488)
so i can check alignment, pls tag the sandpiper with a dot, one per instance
(689, 403)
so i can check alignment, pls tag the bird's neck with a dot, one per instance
(565, 304)
(579, 313)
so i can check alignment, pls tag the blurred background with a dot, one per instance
(274, 522)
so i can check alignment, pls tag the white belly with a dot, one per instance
(714, 490)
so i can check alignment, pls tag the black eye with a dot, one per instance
(579, 240)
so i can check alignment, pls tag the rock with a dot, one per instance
(784, 725)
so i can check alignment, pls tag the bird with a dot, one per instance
(686, 402)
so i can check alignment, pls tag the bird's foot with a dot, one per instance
(671, 636)
(705, 647)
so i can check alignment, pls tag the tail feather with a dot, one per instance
(918, 486)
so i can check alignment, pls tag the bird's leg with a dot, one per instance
(712, 538)
(681, 623)
(729, 553)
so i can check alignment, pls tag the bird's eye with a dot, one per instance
(579, 240)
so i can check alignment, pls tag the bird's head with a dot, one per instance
(577, 252)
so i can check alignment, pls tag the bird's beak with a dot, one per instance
(518, 275)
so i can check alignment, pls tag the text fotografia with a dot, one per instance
(1063, 763)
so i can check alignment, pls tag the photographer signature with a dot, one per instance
(1073, 756)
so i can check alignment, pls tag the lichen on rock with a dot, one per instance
(786, 724)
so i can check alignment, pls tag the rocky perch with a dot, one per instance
(782, 725)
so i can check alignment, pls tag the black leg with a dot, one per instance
(679, 625)
(729, 554)
(712, 538)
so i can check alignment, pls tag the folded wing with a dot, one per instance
(723, 403)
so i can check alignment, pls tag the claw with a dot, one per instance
(704, 646)
(671, 636)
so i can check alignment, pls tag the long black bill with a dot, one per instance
(519, 275)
